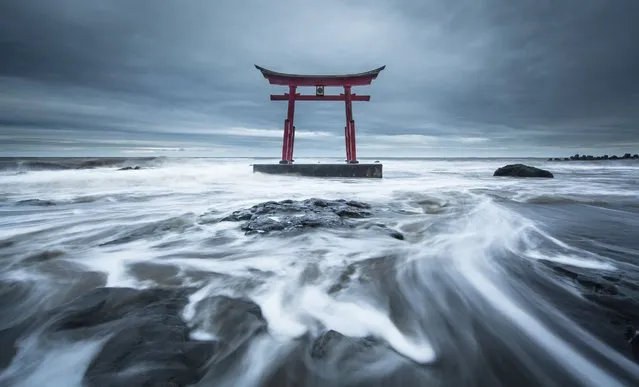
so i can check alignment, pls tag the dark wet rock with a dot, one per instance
(161, 274)
(108, 305)
(289, 223)
(44, 256)
(332, 342)
(632, 336)
(16, 298)
(343, 280)
(230, 316)
(635, 156)
(146, 340)
(607, 291)
(6, 243)
(521, 170)
(233, 320)
(386, 230)
(36, 202)
(137, 167)
(290, 215)
(589, 281)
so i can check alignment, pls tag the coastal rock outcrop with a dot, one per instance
(291, 215)
(522, 170)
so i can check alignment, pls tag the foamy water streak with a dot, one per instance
(489, 269)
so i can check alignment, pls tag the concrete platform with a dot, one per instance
(322, 170)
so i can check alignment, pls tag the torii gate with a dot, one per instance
(319, 82)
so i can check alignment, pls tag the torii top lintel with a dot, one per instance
(357, 79)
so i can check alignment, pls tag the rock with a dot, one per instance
(635, 156)
(627, 156)
(147, 343)
(631, 335)
(233, 320)
(333, 341)
(145, 329)
(36, 202)
(387, 230)
(289, 215)
(614, 157)
(43, 256)
(608, 292)
(521, 170)
(130, 168)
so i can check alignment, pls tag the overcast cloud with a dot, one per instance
(463, 78)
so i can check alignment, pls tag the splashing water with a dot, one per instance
(496, 281)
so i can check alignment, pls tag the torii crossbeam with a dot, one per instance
(293, 81)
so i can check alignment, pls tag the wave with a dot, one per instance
(559, 199)
(22, 165)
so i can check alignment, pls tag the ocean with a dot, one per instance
(197, 272)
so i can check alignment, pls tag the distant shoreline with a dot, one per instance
(579, 157)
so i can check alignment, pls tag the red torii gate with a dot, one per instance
(319, 82)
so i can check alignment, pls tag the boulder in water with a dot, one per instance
(290, 215)
(522, 170)
(130, 168)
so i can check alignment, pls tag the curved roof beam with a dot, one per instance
(357, 79)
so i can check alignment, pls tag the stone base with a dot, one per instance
(322, 170)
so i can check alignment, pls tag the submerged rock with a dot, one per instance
(130, 168)
(232, 321)
(632, 336)
(36, 202)
(325, 345)
(521, 170)
(149, 341)
(612, 292)
(289, 215)
(145, 341)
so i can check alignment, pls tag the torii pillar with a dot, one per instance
(293, 81)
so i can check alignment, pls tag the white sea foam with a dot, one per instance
(460, 238)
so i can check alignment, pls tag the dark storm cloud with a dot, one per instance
(481, 74)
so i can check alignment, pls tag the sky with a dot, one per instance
(465, 78)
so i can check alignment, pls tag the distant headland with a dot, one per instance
(579, 157)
